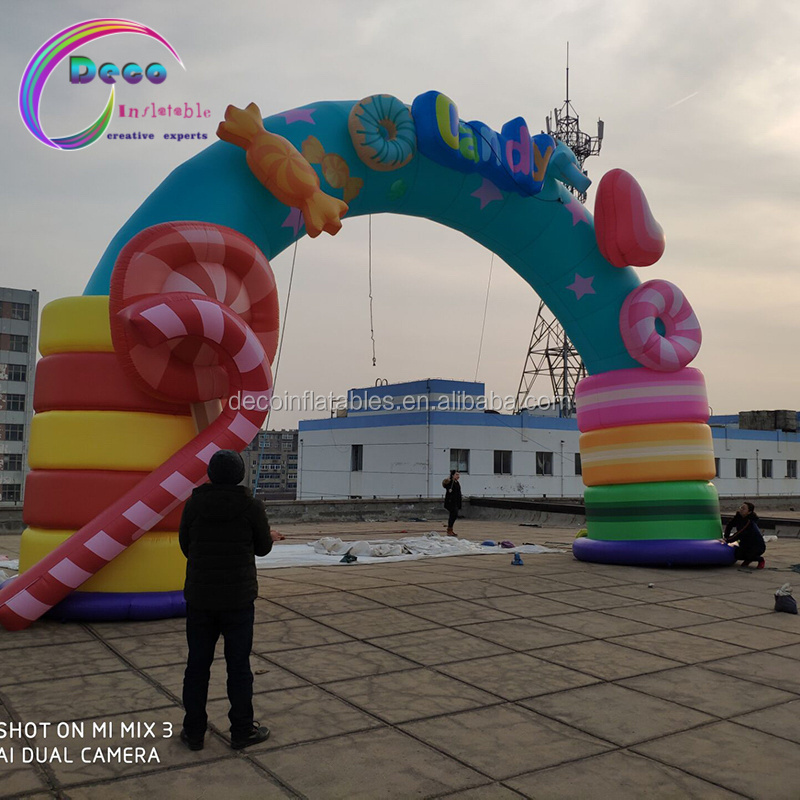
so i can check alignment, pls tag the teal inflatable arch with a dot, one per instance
(646, 449)
(547, 237)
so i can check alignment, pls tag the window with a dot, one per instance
(12, 432)
(11, 462)
(11, 492)
(741, 467)
(17, 343)
(716, 468)
(459, 460)
(766, 468)
(356, 458)
(286, 445)
(12, 402)
(13, 372)
(502, 462)
(544, 463)
(578, 465)
(20, 311)
(287, 436)
(791, 468)
(291, 485)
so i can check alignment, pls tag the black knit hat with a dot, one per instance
(226, 467)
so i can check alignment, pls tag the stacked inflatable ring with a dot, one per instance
(114, 449)
(647, 457)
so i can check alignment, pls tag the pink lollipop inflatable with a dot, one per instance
(680, 343)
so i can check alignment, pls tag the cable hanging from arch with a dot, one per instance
(371, 316)
(485, 309)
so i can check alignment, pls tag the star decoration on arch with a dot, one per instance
(299, 115)
(294, 220)
(578, 211)
(582, 286)
(487, 192)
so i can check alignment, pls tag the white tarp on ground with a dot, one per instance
(329, 551)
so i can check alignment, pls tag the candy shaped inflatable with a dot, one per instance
(180, 314)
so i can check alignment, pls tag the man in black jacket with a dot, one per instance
(222, 529)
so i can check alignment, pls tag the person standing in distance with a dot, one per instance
(452, 499)
(222, 529)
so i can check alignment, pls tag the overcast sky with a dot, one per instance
(701, 103)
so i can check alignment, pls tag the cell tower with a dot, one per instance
(550, 352)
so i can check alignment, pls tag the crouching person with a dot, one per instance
(222, 529)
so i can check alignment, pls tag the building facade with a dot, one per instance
(271, 462)
(401, 440)
(19, 315)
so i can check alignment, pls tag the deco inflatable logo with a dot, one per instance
(82, 70)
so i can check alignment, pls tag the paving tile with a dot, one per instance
(377, 622)
(763, 599)
(474, 590)
(457, 612)
(782, 720)
(531, 583)
(661, 616)
(522, 634)
(706, 690)
(743, 633)
(622, 776)
(159, 746)
(656, 594)
(232, 778)
(153, 650)
(587, 580)
(269, 637)
(16, 778)
(598, 625)
(765, 668)
(415, 694)
(591, 599)
(270, 589)
(491, 791)
(792, 651)
(605, 660)
(322, 603)
(117, 630)
(20, 665)
(83, 697)
(526, 605)
(521, 739)
(438, 646)
(296, 715)
(363, 766)
(516, 675)
(45, 632)
(617, 714)
(721, 753)
(716, 607)
(339, 661)
(347, 578)
(702, 588)
(267, 677)
(398, 596)
(679, 645)
(778, 621)
(267, 611)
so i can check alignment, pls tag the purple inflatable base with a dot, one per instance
(654, 552)
(116, 607)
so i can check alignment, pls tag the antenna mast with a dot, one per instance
(550, 352)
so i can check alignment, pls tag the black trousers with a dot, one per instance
(203, 629)
(751, 553)
(453, 517)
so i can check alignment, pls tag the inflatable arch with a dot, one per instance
(181, 312)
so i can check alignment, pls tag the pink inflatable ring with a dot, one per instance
(680, 342)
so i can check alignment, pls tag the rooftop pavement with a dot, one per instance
(463, 678)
